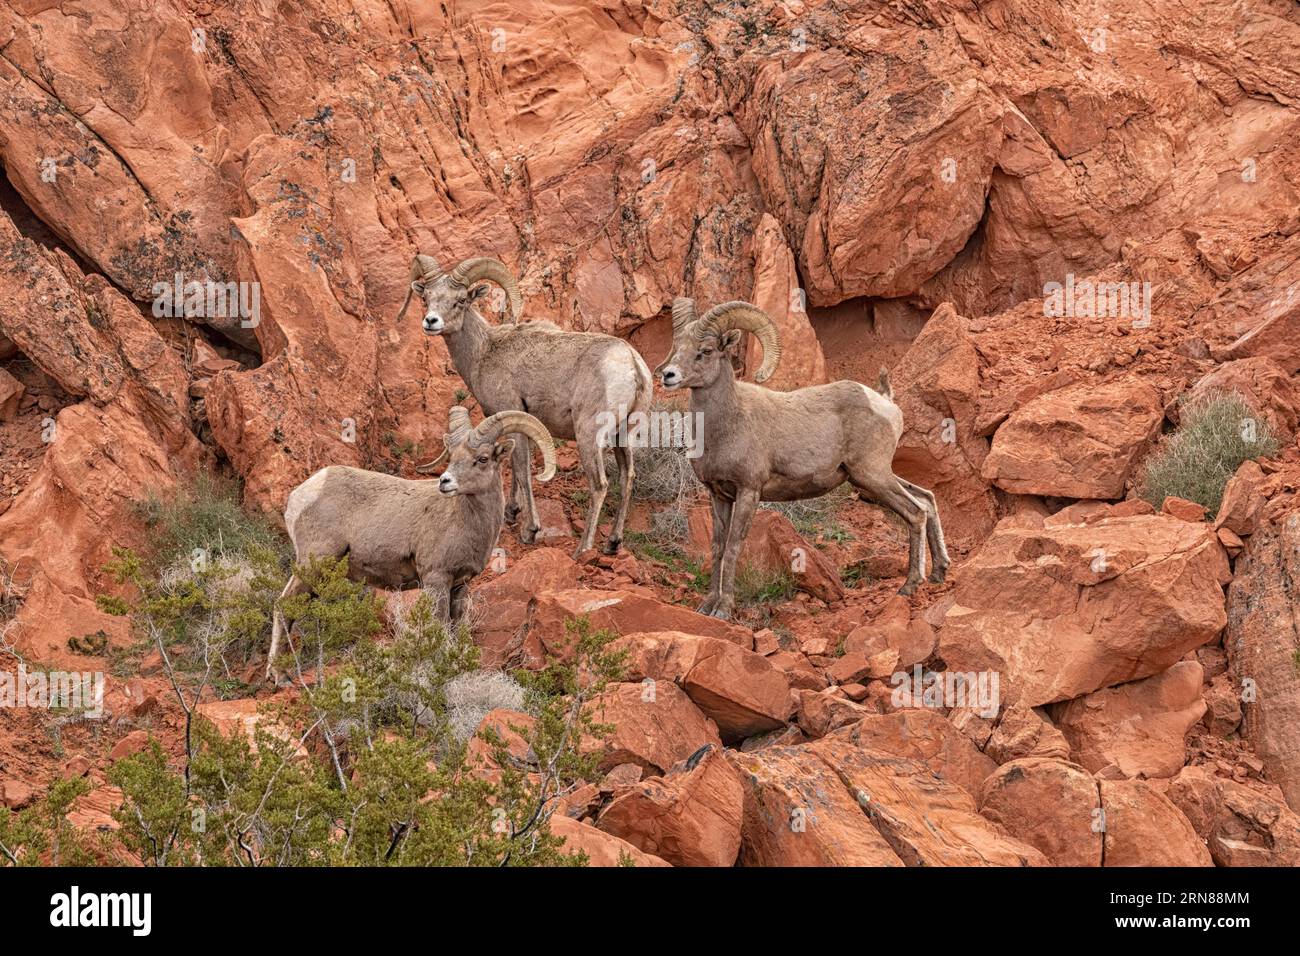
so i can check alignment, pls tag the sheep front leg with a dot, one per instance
(721, 519)
(459, 600)
(437, 585)
(521, 479)
(742, 513)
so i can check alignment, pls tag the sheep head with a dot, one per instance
(475, 454)
(448, 296)
(701, 345)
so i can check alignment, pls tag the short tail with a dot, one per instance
(883, 386)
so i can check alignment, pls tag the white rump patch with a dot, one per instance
(305, 494)
(884, 408)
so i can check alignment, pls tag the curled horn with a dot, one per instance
(749, 318)
(494, 270)
(683, 315)
(503, 423)
(457, 431)
(424, 268)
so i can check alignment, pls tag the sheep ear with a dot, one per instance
(417, 287)
(503, 448)
(731, 342)
(478, 292)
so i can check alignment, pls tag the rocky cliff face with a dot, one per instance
(959, 191)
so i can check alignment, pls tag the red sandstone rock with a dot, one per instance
(1083, 441)
(1143, 828)
(925, 819)
(601, 848)
(690, 817)
(742, 692)
(1025, 732)
(1062, 612)
(925, 736)
(773, 545)
(1242, 500)
(1261, 646)
(655, 726)
(1050, 804)
(1183, 509)
(798, 813)
(1135, 729)
(622, 611)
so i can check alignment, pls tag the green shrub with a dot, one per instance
(815, 517)
(756, 586)
(383, 735)
(1217, 433)
(205, 516)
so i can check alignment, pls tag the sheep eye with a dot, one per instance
(483, 460)
(708, 351)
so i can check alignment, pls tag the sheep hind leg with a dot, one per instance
(890, 493)
(280, 627)
(593, 466)
(521, 480)
(939, 559)
(626, 473)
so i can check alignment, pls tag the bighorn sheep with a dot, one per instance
(396, 532)
(764, 445)
(581, 385)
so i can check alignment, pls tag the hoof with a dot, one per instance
(907, 590)
(721, 613)
(612, 545)
(938, 576)
(706, 608)
(512, 512)
(529, 535)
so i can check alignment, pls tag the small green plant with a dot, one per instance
(204, 518)
(815, 517)
(757, 586)
(41, 835)
(1217, 433)
(855, 575)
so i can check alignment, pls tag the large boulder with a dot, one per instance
(1135, 729)
(601, 848)
(741, 691)
(628, 611)
(1082, 441)
(925, 819)
(1144, 828)
(1050, 804)
(690, 816)
(654, 726)
(1063, 611)
(499, 603)
(925, 736)
(1263, 624)
(1241, 825)
(798, 813)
